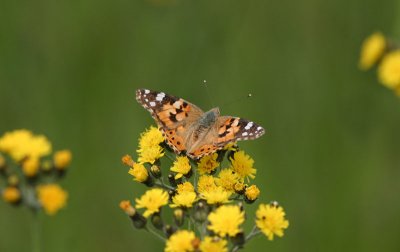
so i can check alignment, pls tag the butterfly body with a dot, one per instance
(187, 129)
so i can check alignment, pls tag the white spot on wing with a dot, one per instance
(152, 104)
(146, 91)
(160, 96)
(249, 125)
(244, 134)
(177, 104)
(259, 128)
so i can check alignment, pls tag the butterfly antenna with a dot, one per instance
(208, 93)
(237, 100)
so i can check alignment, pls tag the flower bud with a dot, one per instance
(201, 210)
(169, 230)
(47, 166)
(171, 179)
(155, 171)
(157, 221)
(179, 217)
(239, 188)
(12, 195)
(251, 194)
(137, 219)
(13, 180)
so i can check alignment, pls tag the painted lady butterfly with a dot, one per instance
(187, 129)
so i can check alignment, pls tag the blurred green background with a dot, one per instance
(69, 69)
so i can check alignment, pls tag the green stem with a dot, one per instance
(36, 232)
(163, 185)
(155, 233)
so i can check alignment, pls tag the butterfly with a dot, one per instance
(189, 130)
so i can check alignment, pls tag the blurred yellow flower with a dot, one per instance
(20, 144)
(11, 194)
(227, 178)
(181, 241)
(226, 220)
(208, 164)
(184, 199)
(52, 198)
(372, 49)
(252, 192)
(389, 70)
(206, 183)
(62, 159)
(218, 195)
(152, 200)
(271, 220)
(30, 167)
(181, 166)
(185, 187)
(139, 172)
(242, 164)
(213, 244)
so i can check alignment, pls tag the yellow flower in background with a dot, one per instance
(11, 194)
(213, 244)
(30, 167)
(62, 159)
(216, 196)
(226, 220)
(22, 143)
(372, 50)
(184, 199)
(181, 166)
(252, 192)
(52, 198)
(181, 241)
(227, 178)
(389, 70)
(150, 154)
(271, 220)
(208, 164)
(206, 183)
(185, 187)
(150, 138)
(242, 164)
(152, 200)
(139, 172)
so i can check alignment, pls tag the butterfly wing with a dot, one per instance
(227, 129)
(173, 115)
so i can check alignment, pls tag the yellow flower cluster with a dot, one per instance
(376, 49)
(29, 155)
(208, 198)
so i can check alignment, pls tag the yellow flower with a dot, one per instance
(181, 166)
(226, 220)
(208, 164)
(227, 179)
(213, 244)
(217, 196)
(206, 183)
(152, 200)
(62, 159)
(184, 199)
(242, 164)
(20, 144)
(150, 138)
(30, 167)
(239, 187)
(271, 220)
(11, 194)
(181, 241)
(372, 49)
(150, 154)
(52, 197)
(252, 192)
(231, 147)
(185, 187)
(2, 162)
(139, 172)
(389, 70)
